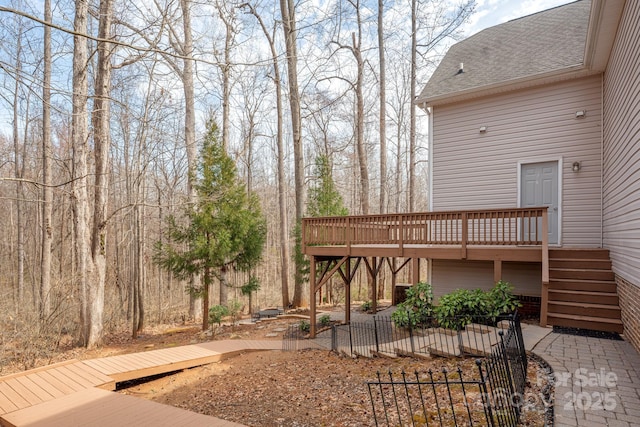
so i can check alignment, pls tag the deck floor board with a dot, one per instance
(34, 386)
(102, 408)
(6, 404)
(71, 373)
(55, 383)
(60, 376)
(98, 378)
(24, 392)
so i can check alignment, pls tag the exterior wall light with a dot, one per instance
(580, 114)
(483, 129)
(575, 167)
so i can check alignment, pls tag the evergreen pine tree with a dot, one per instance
(226, 227)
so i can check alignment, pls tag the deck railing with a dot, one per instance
(519, 226)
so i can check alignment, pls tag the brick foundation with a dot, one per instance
(530, 307)
(630, 304)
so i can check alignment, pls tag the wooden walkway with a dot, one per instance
(78, 393)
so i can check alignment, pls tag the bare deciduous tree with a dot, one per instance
(287, 12)
(47, 189)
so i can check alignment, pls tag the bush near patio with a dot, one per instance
(455, 309)
(459, 308)
(417, 309)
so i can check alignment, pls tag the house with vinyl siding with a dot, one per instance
(544, 110)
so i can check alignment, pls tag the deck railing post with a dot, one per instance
(465, 234)
(348, 235)
(401, 234)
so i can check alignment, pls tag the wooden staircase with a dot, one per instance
(582, 290)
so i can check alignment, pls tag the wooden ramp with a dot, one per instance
(95, 407)
(50, 395)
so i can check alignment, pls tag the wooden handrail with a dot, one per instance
(517, 226)
(544, 297)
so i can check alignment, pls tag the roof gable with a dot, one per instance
(544, 42)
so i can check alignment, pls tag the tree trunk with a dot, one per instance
(79, 193)
(412, 107)
(47, 190)
(101, 142)
(205, 297)
(224, 286)
(360, 148)
(285, 253)
(159, 270)
(383, 110)
(287, 10)
(190, 131)
(225, 67)
(18, 162)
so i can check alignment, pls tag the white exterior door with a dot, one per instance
(539, 187)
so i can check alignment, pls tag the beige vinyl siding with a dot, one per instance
(622, 148)
(448, 276)
(480, 171)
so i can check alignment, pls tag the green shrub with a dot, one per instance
(251, 286)
(216, 313)
(417, 309)
(234, 309)
(504, 302)
(325, 320)
(460, 307)
(366, 306)
(403, 317)
(304, 325)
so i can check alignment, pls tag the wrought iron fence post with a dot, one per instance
(510, 383)
(518, 330)
(350, 341)
(411, 339)
(484, 394)
(334, 339)
(375, 331)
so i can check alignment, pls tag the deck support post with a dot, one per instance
(374, 285)
(497, 270)
(347, 293)
(394, 279)
(312, 296)
(373, 268)
(415, 271)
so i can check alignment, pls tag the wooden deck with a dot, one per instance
(483, 234)
(78, 392)
(339, 245)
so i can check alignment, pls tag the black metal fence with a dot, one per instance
(381, 336)
(492, 396)
(296, 336)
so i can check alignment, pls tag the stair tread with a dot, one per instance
(584, 304)
(590, 281)
(579, 269)
(585, 318)
(581, 292)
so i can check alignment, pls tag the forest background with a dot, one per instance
(104, 107)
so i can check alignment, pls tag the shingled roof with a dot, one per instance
(547, 41)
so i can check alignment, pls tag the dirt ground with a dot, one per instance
(276, 388)
(303, 388)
